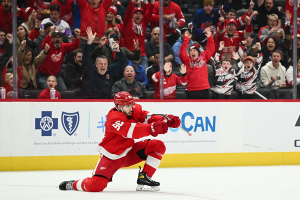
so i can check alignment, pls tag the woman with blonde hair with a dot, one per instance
(33, 25)
(51, 83)
(110, 20)
(7, 79)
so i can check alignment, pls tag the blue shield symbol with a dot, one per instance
(70, 122)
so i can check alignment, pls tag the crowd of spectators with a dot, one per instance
(98, 48)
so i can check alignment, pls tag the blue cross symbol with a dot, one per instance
(102, 123)
(46, 123)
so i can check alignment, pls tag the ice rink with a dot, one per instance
(207, 183)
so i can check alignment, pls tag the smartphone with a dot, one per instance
(111, 43)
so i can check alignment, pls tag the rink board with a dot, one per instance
(63, 135)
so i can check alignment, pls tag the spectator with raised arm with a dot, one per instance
(225, 75)
(22, 35)
(265, 9)
(208, 16)
(110, 20)
(90, 11)
(153, 46)
(5, 49)
(66, 10)
(120, 11)
(177, 45)
(6, 15)
(196, 69)
(135, 23)
(7, 79)
(273, 73)
(170, 81)
(74, 70)
(39, 6)
(246, 84)
(172, 17)
(271, 30)
(61, 25)
(97, 78)
(43, 33)
(33, 25)
(130, 85)
(29, 63)
(53, 62)
(232, 37)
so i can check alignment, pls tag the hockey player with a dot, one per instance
(246, 83)
(126, 122)
(170, 81)
(225, 76)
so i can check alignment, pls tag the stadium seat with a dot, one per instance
(180, 94)
(65, 94)
(283, 93)
(266, 92)
(150, 94)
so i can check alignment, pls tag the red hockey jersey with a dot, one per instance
(120, 131)
(231, 43)
(135, 31)
(170, 83)
(196, 70)
(174, 10)
(52, 63)
(8, 88)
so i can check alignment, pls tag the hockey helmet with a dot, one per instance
(123, 98)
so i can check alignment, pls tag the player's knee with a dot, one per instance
(97, 185)
(155, 146)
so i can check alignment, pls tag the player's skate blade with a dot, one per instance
(66, 185)
(147, 188)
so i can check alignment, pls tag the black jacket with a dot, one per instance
(136, 89)
(72, 75)
(7, 49)
(150, 71)
(95, 85)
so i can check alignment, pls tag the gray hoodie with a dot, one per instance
(268, 71)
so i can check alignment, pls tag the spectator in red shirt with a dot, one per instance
(93, 15)
(232, 37)
(7, 79)
(6, 15)
(135, 24)
(66, 10)
(197, 74)
(173, 18)
(53, 62)
(170, 81)
(38, 6)
(51, 83)
(110, 20)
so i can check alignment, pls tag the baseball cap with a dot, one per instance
(56, 33)
(138, 9)
(54, 7)
(249, 58)
(184, 29)
(231, 21)
(114, 36)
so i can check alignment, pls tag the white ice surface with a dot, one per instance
(209, 183)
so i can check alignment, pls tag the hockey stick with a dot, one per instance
(260, 95)
(165, 116)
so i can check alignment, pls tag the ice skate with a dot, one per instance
(145, 180)
(66, 185)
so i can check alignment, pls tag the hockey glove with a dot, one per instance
(158, 127)
(173, 121)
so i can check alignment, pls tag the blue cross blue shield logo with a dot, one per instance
(46, 123)
(70, 121)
